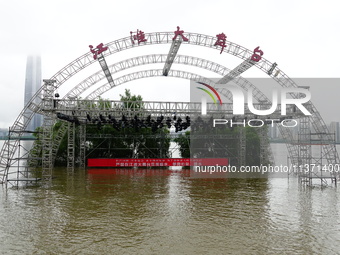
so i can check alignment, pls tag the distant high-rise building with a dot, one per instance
(334, 128)
(32, 85)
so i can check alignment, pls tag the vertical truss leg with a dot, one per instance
(47, 104)
(242, 148)
(82, 145)
(47, 135)
(266, 156)
(305, 151)
(70, 147)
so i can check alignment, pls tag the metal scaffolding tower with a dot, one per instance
(71, 147)
(48, 105)
(19, 171)
(82, 146)
(242, 147)
(313, 164)
(305, 151)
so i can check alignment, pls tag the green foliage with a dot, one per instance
(183, 142)
(127, 98)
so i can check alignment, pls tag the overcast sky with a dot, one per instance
(301, 36)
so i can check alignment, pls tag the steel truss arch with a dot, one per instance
(161, 58)
(154, 59)
(179, 59)
(153, 38)
(246, 85)
(9, 147)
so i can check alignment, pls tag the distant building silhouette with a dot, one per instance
(32, 85)
(334, 128)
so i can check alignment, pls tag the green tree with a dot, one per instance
(129, 99)
(183, 141)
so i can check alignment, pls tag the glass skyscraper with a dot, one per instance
(32, 85)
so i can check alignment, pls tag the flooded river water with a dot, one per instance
(129, 211)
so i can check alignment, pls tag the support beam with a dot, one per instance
(171, 56)
(48, 105)
(237, 71)
(265, 149)
(65, 109)
(47, 163)
(82, 145)
(70, 147)
(242, 147)
(106, 70)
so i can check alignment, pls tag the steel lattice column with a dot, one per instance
(265, 150)
(242, 148)
(71, 147)
(47, 163)
(47, 105)
(82, 145)
(305, 151)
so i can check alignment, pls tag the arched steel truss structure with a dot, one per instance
(156, 59)
(9, 147)
(86, 84)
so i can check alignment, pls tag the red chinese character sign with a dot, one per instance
(221, 39)
(179, 33)
(98, 50)
(139, 36)
(257, 56)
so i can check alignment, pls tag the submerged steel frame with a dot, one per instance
(9, 148)
(158, 58)
(112, 109)
(49, 120)
(22, 173)
(71, 146)
(82, 145)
